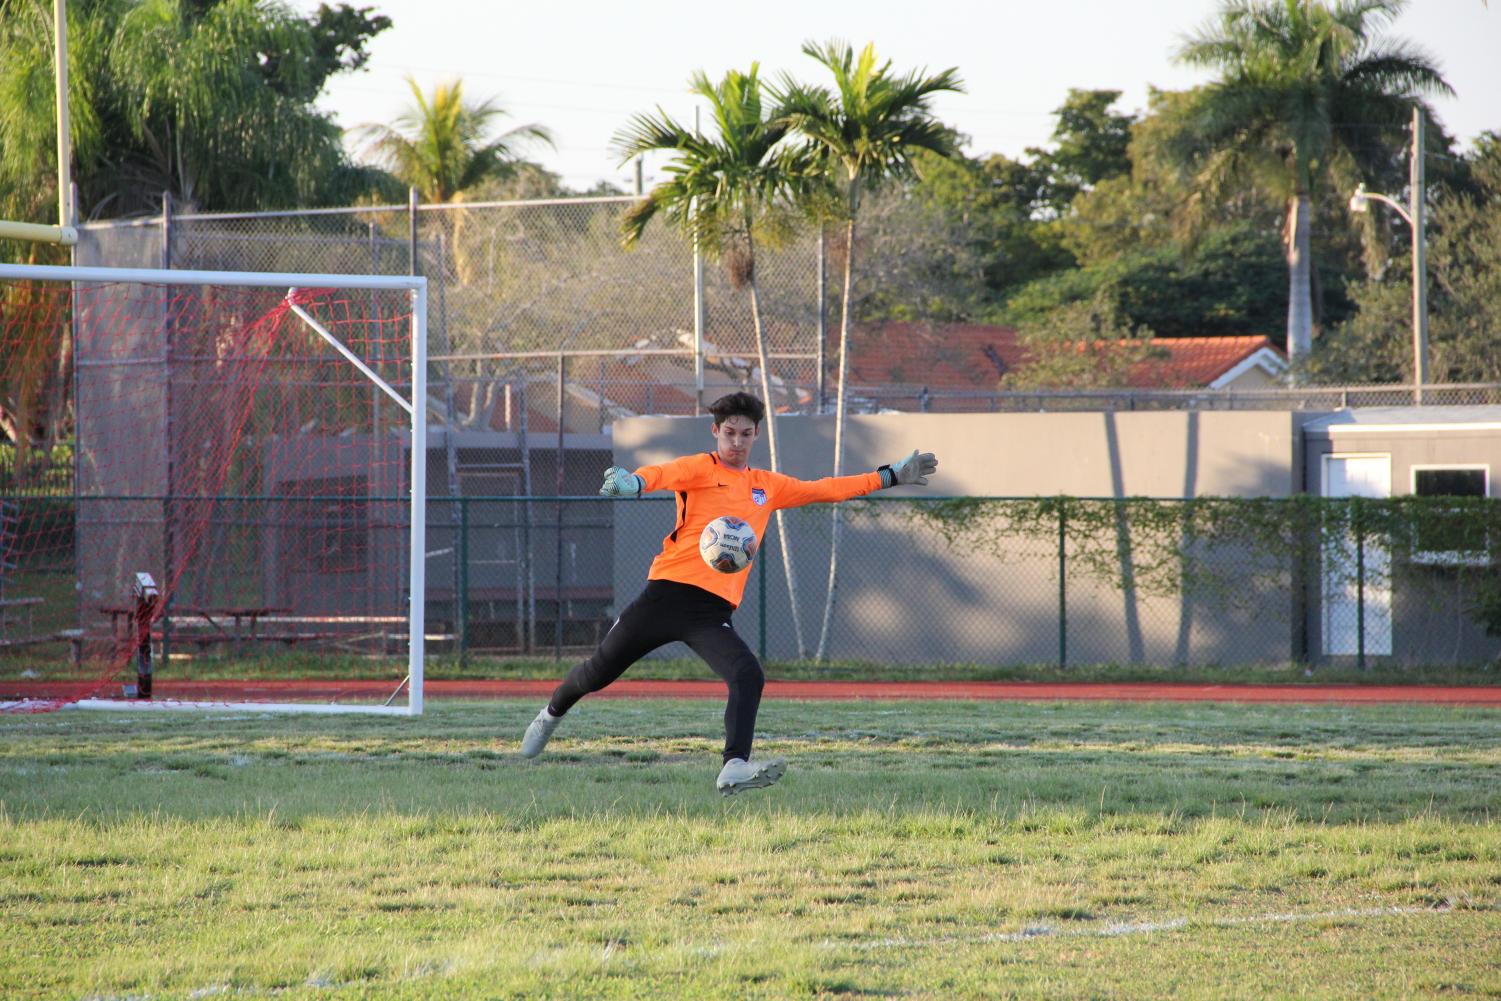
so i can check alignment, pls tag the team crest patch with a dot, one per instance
(759, 496)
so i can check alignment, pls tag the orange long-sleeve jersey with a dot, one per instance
(707, 489)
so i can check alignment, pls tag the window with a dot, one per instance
(1446, 541)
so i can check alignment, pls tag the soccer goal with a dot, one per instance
(212, 490)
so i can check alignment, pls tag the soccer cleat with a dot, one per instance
(538, 733)
(738, 774)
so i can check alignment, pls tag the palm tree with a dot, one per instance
(439, 144)
(1308, 94)
(726, 192)
(865, 131)
(213, 102)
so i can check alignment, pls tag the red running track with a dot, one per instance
(312, 690)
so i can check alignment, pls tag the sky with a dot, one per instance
(583, 68)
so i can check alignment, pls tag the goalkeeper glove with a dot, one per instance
(913, 469)
(621, 483)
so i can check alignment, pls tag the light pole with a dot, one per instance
(1413, 216)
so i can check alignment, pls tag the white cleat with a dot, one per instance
(738, 774)
(538, 733)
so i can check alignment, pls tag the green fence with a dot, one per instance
(995, 581)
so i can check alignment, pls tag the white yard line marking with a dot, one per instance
(1134, 928)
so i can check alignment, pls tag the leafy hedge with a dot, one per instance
(1226, 548)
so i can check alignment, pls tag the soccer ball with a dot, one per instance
(727, 544)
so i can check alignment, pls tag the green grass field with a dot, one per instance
(928, 850)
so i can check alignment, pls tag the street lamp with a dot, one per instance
(1413, 216)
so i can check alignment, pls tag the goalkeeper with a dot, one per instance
(685, 599)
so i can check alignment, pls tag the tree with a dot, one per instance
(868, 129)
(210, 101)
(1228, 282)
(727, 192)
(1090, 145)
(975, 226)
(1309, 94)
(1464, 301)
(441, 144)
(1081, 345)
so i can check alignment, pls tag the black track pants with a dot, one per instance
(664, 612)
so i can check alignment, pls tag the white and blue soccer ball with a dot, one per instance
(727, 544)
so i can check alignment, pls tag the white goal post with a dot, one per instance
(275, 443)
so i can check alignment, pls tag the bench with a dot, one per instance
(27, 634)
(199, 625)
(27, 605)
(73, 637)
(238, 626)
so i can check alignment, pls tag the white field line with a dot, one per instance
(1133, 928)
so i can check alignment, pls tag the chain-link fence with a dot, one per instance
(543, 329)
(1069, 581)
(517, 285)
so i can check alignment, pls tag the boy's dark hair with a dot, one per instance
(738, 405)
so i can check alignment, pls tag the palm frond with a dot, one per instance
(651, 133)
(720, 186)
(870, 122)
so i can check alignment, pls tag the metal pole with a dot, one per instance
(417, 571)
(698, 330)
(65, 208)
(169, 579)
(1062, 586)
(557, 575)
(450, 446)
(1359, 584)
(526, 625)
(463, 557)
(166, 230)
(1419, 262)
(820, 398)
(372, 570)
(412, 230)
(698, 314)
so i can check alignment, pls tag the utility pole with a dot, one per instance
(1419, 260)
(1414, 215)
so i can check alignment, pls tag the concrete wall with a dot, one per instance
(906, 595)
(1156, 453)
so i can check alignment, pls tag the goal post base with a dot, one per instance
(173, 705)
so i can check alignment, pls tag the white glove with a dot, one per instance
(621, 483)
(914, 469)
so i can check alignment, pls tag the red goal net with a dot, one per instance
(205, 492)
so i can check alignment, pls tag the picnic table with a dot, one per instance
(18, 627)
(233, 624)
(12, 609)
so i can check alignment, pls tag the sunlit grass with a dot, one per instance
(914, 850)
